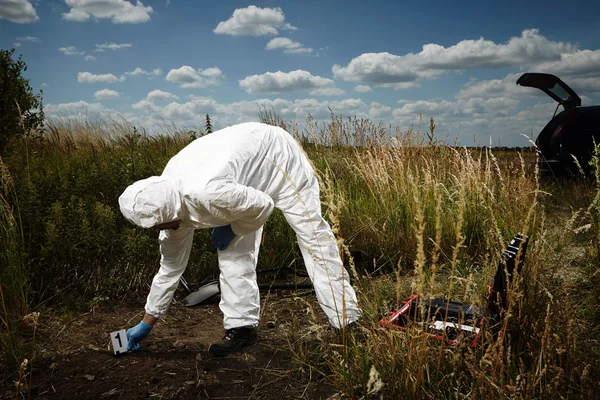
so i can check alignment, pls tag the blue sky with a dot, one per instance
(389, 61)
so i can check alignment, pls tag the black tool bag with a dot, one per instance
(447, 319)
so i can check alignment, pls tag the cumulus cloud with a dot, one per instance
(146, 105)
(378, 110)
(507, 87)
(288, 46)
(159, 95)
(71, 50)
(472, 107)
(88, 77)
(499, 119)
(106, 94)
(187, 77)
(333, 91)
(44, 84)
(582, 63)
(584, 84)
(77, 108)
(531, 48)
(118, 11)
(377, 68)
(477, 121)
(400, 85)
(281, 82)
(22, 39)
(112, 46)
(194, 109)
(89, 58)
(139, 71)
(473, 121)
(29, 39)
(254, 21)
(363, 88)
(19, 11)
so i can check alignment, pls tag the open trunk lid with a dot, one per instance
(553, 87)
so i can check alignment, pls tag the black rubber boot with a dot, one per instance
(234, 340)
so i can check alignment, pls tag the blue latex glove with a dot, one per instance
(221, 237)
(136, 334)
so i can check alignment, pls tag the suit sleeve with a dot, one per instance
(175, 246)
(244, 207)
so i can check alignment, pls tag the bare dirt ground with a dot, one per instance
(174, 362)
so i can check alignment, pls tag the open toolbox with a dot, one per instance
(449, 320)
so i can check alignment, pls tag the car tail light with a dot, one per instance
(556, 137)
(558, 130)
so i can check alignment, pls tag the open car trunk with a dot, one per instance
(553, 87)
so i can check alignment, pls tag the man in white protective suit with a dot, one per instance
(231, 180)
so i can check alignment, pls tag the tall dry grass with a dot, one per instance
(434, 219)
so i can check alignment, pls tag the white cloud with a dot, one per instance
(539, 113)
(327, 92)
(280, 82)
(472, 107)
(530, 48)
(363, 88)
(159, 95)
(499, 122)
(254, 21)
(106, 94)
(112, 46)
(243, 111)
(473, 121)
(139, 71)
(146, 105)
(89, 58)
(44, 84)
(581, 63)
(88, 77)
(187, 77)
(17, 44)
(378, 110)
(378, 68)
(288, 46)
(19, 11)
(400, 85)
(476, 121)
(507, 87)
(585, 84)
(22, 39)
(77, 108)
(118, 11)
(71, 50)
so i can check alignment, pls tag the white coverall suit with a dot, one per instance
(236, 176)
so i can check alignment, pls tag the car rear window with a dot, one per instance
(560, 92)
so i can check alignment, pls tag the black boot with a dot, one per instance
(234, 340)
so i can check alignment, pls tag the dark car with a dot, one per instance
(571, 134)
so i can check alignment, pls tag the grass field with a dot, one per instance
(426, 217)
